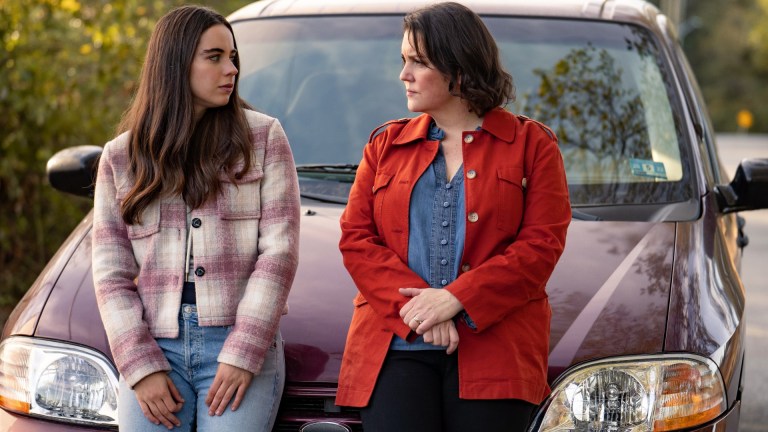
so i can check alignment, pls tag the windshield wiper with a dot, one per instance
(580, 215)
(327, 168)
(352, 168)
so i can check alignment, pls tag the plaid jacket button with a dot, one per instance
(200, 271)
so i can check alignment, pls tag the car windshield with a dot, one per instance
(602, 87)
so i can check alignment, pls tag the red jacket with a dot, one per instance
(518, 212)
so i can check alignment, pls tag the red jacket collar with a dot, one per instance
(498, 122)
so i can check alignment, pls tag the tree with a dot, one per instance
(758, 38)
(724, 61)
(728, 51)
(68, 69)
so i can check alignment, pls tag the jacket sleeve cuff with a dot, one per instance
(140, 363)
(246, 348)
(468, 320)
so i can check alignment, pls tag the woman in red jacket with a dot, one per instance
(453, 227)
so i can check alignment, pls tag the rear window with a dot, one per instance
(604, 89)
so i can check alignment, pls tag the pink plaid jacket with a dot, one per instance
(246, 246)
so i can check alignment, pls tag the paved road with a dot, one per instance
(754, 416)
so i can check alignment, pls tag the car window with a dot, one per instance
(329, 80)
(602, 87)
(710, 160)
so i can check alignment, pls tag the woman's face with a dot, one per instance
(425, 87)
(212, 75)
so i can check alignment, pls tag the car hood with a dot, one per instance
(610, 291)
(609, 294)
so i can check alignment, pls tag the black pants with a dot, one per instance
(419, 391)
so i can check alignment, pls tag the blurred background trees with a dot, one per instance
(726, 42)
(68, 70)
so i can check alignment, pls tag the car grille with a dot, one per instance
(297, 409)
(293, 427)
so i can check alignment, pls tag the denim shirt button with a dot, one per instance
(443, 242)
(443, 282)
(446, 204)
(448, 186)
(445, 223)
(443, 261)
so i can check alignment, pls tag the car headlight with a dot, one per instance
(633, 394)
(57, 381)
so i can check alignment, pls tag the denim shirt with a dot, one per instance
(437, 227)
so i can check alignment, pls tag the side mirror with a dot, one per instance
(73, 170)
(748, 190)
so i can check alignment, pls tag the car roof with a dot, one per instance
(631, 11)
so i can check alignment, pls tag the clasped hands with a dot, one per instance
(430, 313)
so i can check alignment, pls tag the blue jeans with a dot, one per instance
(193, 362)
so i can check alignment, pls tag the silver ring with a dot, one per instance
(417, 320)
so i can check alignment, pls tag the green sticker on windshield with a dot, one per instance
(648, 168)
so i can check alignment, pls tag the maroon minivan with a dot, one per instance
(648, 329)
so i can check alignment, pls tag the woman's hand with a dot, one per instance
(229, 381)
(159, 399)
(443, 334)
(428, 307)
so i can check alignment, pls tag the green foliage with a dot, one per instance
(729, 53)
(68, 69)
(758, 37)
(726, 42)
(758, 44)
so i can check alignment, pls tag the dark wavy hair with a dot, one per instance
(456, 41)
(170, 152)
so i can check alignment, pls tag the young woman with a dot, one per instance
(195, 239)
(454, 224)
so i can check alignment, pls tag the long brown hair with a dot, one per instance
(457, 42)
(171, 153)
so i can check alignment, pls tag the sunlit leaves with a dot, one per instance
(758, 37)
(70, 5)
(730, 59)
(68, 69)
